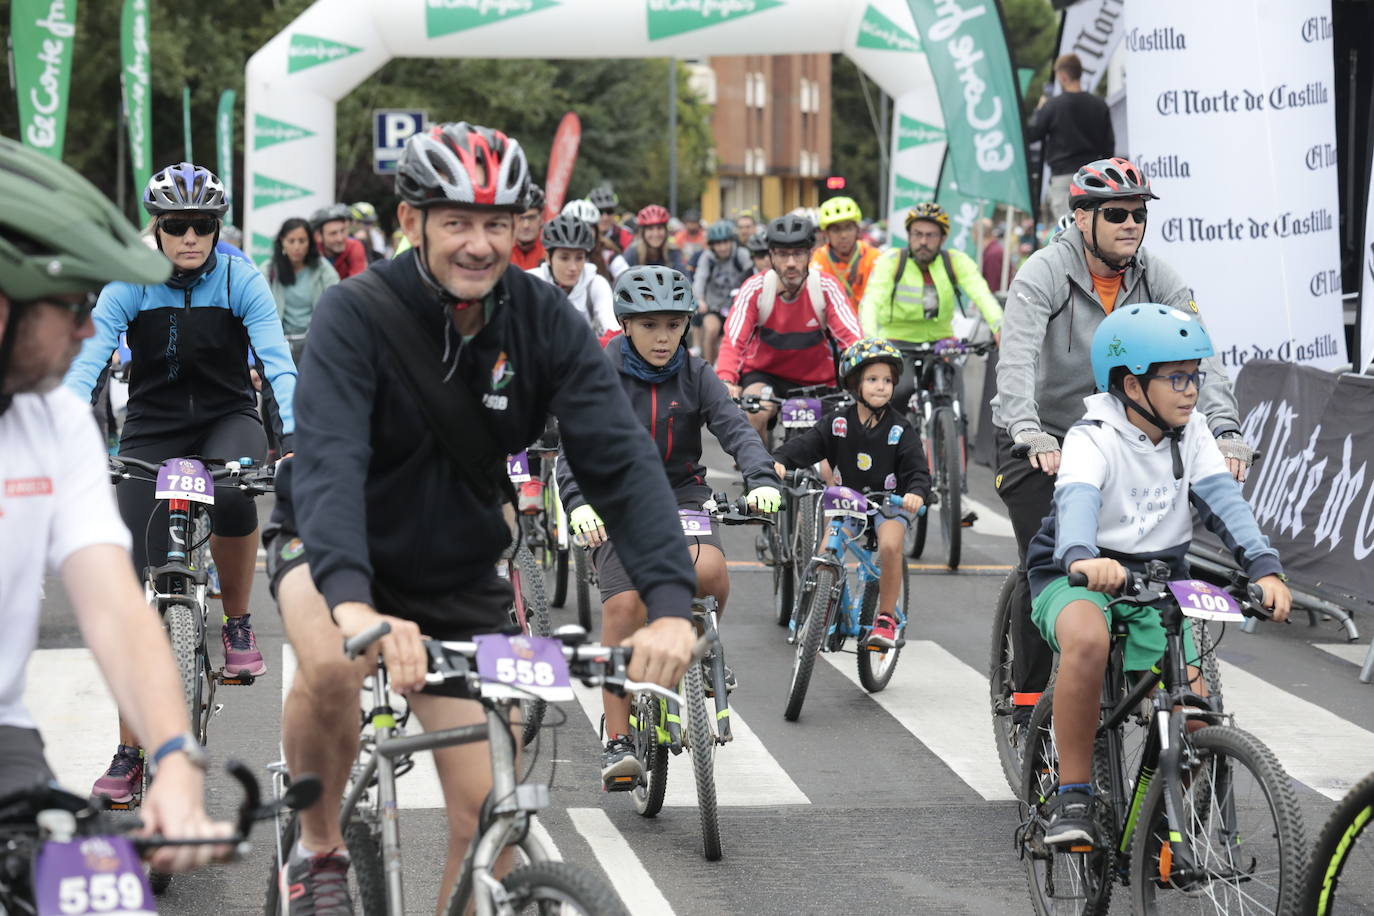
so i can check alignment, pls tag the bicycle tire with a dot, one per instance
(286, 839)
(561, 887)
(1211, 667)
(702, 749)
(916, 537)
(810, 632)
(368, 878)
(560, 578)
(1090, 871)
(180, 621)
(537, 620)
(1149, 857)
(1004, 731)
(949, 473)
(803, 546)
(875, 667)
(1349, 829)
(584, 597)
(648, 797)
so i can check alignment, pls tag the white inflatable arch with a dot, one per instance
(294, 81)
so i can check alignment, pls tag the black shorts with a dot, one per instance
(21, 759)
(781, 387)
(233, 436)
(482, 606)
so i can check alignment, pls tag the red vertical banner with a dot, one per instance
(562, 158)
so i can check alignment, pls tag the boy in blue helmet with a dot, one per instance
(1131, 472)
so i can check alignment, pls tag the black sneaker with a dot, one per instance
(621, 770)
(317, 886)
(1071, 820)
(709, 682)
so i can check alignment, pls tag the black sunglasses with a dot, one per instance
(177, 226)
(1119, 214)
(80, 310)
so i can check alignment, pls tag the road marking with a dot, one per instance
(754, 565)
(618, 860)
(541, 833)
(943, 703)
(746, 774)
(990, 521)
(67, 697)
(1317, 747)
(1352, 652)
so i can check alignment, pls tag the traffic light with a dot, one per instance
(834, 183)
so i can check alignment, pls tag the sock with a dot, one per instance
(1076, 787)
(300, 853)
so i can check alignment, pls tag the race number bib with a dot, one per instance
(523, 666)
(518, 467)
(695, 522)
(800, 413)
(99, 874)
(1206, 601)
(842, 501)
(185, 478)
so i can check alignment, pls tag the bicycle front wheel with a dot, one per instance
(875, 664)
(1340, 877)
(582, 573)
(701, 748)
(784, 564)
(949, 481)
(536, 614)
(560, 578)
(814, 611)
(1242, 820)
(1006, 735)
(652, 755)
(561, 887)
(189, 652)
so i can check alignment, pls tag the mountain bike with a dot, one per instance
(1340, 873)
(829, 611)
(530, 615)
(498, 671)
(935, 412)
(59, 853)
(545, 530)
(1210, 822)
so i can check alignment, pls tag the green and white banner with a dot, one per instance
(43, 34)
(964, 212)
(133, 35)
(967, 49)
(224, 146)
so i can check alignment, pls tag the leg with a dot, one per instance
(891, 534)
(621, 615)
(712, 325)
(236, 558)
(1081, 631)
(712, 577)
(234, 544)
(1027, 494)
(761, 419)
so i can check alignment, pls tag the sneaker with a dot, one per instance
(884, 633)
(241, 655)
(763, 549)
(1071, 821)
(620, 768)
(212, 587)
(531, 497)
(123, 781)
(317, 886)
(709, 682)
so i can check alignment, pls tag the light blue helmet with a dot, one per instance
(1138, 336)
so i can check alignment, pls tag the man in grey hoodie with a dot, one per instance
(1055, 303)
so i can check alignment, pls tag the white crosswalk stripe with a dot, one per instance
(75, 712)
(628, 876)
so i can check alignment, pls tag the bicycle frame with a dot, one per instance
(838, 542)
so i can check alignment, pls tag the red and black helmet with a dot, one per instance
(652, 215)
(1108, 179)
(463, 164)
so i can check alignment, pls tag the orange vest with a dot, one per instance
(853, 275)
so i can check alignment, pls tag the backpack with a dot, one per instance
(814, 292)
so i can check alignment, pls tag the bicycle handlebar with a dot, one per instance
(736, 513)
(1148, 588)
(947, 347)
(243, 471)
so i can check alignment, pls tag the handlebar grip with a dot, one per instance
(358, 644)
(1020, 451)
(1078, 580)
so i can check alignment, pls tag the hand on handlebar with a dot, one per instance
(174, 807)
(1104, 575)
(764, 499)
(1041, 448)
(586, 524)
(912, 502)
(733, 390)
(403, 648)
(661, 651)
(1277, 597)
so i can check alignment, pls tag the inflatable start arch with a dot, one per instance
(294, 81)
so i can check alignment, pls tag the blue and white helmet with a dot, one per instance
(182, 187)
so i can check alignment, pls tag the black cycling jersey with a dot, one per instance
(885, 456)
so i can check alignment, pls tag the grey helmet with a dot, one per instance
(758, 243)
(185, 187)
(568, 231)
(652, 290)
(792, 231)
(603, 198)
(330, 214)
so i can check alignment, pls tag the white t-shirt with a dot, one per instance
(591, 296)
(55, 498)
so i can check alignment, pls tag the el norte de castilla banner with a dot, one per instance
(1231, 117)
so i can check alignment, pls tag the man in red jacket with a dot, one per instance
(776, 336)
(346, 254)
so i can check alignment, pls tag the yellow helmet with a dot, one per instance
(840, 210)
(931, 211)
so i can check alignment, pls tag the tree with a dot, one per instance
(855, 148)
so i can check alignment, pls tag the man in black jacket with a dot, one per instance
(374, 521)
(1077, 129)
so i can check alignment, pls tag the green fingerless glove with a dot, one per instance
(765, 499)
(584, 519)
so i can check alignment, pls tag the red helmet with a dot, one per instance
(463, 164)
(652, 215)
(1108, 179)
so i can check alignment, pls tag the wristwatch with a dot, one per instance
(184, 743)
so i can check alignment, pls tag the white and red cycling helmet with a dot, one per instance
(464, 164)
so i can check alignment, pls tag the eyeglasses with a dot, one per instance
(177, 226)
(1119, 214)
(1181, 380)
(608, 212)
(790, 254)
(80, 310)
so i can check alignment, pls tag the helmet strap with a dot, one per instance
(1172, 433)
(446, 299)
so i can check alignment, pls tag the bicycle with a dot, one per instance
(656, 724)
(1211, 816)
(496, 670)
(545, 530)
(937, 415)
(829, 611)
(1340, 875)
(529, 614)
(60, 853)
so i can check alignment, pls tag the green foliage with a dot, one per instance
(1032, 30)
(854, 146)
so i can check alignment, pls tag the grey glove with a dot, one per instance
(1040, 442)
(1233, 445)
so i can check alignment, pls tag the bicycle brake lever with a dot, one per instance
(656, 690)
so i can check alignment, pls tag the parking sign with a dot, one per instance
(390, 130)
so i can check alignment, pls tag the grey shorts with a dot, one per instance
(21, 759)
(613, 578)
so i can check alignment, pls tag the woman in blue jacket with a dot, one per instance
(190, 394)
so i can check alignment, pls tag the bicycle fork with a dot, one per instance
(706, 620)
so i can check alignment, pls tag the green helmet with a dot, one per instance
(60, 235)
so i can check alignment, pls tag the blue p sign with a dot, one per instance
(390, 130)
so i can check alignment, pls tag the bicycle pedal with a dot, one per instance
(968, 520)
(125, 806)
(621, 784)
(241, 679)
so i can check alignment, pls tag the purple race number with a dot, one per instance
(521, 666)
(1206, 601)
(800, 412)
(185, 478)
(843, 501)
(695, 522)
(99, 874)
(518, 467)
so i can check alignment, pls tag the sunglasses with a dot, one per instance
(1181, 380)
(1119, 214)
(177, 226)
(80, 311)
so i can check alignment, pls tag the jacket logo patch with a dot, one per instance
(292, 549)
(839, 428)
(28, 486)
(864, 461)
(997, 483)
(1192, 305)
(890, 482)
(813, 323)
(894, 435)
(501, 373)
(494, 401)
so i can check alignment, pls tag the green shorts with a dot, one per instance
(1144, 635)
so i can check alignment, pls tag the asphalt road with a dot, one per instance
(887, 803)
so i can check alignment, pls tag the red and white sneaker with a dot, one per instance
(883, 634)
